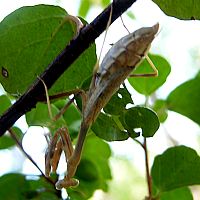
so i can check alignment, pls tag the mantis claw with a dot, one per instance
(66, 183)
(60, 142)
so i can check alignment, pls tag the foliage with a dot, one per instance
(186, 105)
(36, 35)
(16, 186)
(179, 160)
(187, 9)
(30, 38)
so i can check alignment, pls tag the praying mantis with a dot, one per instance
(123, 57)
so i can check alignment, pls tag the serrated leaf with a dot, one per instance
(144, 118)
(106, 128)
(177, 167)
(185, 99)
(160, 108)
(148, 85)
(181, 9)
(5, 103)
(183, 193)
(30, 38)
(118, 102)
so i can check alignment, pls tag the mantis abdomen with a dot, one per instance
(116, 66)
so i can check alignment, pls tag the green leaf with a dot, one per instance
(30, 38)
(6, 142)
(130, 14)
(185, 99)
(113, 128)
(13, 186)
(101, 155)
(141, 117)
(39, 116)
(87, 171)
(181, 9)
(118, 102)
(40, 184)
(18, 133)
(46, 196)
(177, 167)
(104, 3)
(71, 116)
(105, 127)
(5, 103)
(160, 108)
(17, 187)
(40, 189)
(92, 173)
(86, 5)
(148, 85)
(84, 8)
(183, 193)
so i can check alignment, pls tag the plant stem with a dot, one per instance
(148, 176)
(19, 144)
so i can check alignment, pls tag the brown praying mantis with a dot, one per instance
(123, 57)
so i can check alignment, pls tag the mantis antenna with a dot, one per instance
(104, 39)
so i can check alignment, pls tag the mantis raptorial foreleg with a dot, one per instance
(61, 142)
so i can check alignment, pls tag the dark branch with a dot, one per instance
(76, 47)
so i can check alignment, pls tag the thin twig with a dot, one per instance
(148, 176)
(149, 181)
(19, 144)
(140, 143)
